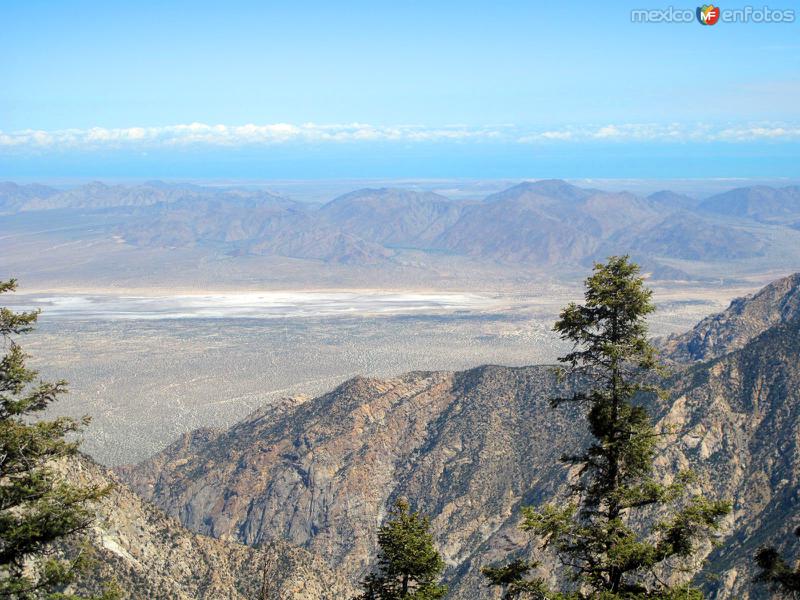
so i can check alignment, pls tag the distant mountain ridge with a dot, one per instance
(392, 216)
(98, 195)
(14, 197)
(537, 223)
(668, 198)
(470, 448)
(760, 202)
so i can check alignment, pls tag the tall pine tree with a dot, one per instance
(409, 566)
(37, 508)
(623, 531)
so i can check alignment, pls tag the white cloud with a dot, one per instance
(279, 133)
(609, 131)
(669, 132)
(235, 135)
(546, 135)
(745, 134)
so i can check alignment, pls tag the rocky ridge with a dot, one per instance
(470, 448)
(745, 319)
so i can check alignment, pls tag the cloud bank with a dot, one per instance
(672, 132)
(202, 134)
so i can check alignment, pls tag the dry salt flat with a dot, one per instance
(249, 305)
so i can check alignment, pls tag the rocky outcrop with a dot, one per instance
(151, 555)
(739, 418)
(467, 448)
(742, 321)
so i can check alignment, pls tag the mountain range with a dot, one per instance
(544, 223)
(471, 448)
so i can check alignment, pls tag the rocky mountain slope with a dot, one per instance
(151, 555)
(98, 195)
(550, 221)
(471, 448)
(743, 320)
(322, 473)
(740, 421)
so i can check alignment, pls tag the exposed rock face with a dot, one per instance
(151, 555)
(471, 448)
(740, 421)
(742, 321)
(467, 448)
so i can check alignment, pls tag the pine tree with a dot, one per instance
(409, 566)
(607, 537)
(512, 578)
(37, 508)
(777, 573)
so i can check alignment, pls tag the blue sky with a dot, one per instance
(392, 89)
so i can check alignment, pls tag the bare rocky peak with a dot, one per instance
(739, 418)
(547, 222)
(324, 473)
(741, 322)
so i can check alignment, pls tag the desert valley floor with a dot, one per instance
(150, 365)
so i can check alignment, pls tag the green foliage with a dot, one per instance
(37, 509)
(512, 578)
(607, 556)
(777, 573)
(409, 566)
